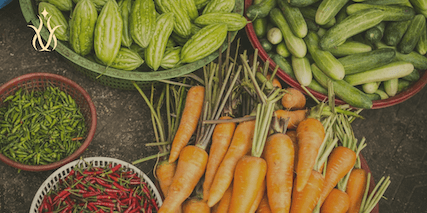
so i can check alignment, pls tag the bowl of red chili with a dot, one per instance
(47, 120)
(95, 184)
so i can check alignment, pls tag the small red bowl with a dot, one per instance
(38, 81)
(400, 97)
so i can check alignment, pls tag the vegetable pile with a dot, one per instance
(40, 127)
(99, 189)
(370, 49)
(126, 34)
(235, 141)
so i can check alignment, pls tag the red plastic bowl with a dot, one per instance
(400, 97)
(38, 81)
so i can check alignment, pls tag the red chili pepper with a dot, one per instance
(153, 201)
(120, 187)
(109, 190)
(90, 189)
(134, 210)
(116, 179)
(109, 197)
(62, 193)
(103, 203)
(103, 183)
(68, 208)
(91, 194)
(117, 167)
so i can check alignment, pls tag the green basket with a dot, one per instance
(112, 77)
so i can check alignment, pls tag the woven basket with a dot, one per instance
(116, 78)
(39, 81)
(51, 182)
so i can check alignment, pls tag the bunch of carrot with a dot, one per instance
(277, 156)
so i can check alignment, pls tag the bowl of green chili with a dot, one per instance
(46, 121)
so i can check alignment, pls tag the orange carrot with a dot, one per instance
(293, 99)
(293, 135)
(305, 201)
(295, 117)
(275, 81)
(214, 209)
(310, 134)
(340, 162)
(248, 178)
(279, 155)
(191, 167)
(240, 145)
(356, 188)
(224, 203)
(263, 206)
(164, 175)
(258, 198)
(221, 139)
(195, 205)
(336, 202)
(189, 120)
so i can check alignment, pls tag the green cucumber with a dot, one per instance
(311, 24)
(420, 4)
(373, 96)
(294, 44)
(302, 70)
(386, 72)
(390, 86)
(383, 95)
(301, 3)
(391, 12)
(282, 50)
(412, 35)
(314, 85)
(349, 48)
(260, 27)
(266, 44)
(327, 10)
(260, 10)
(274, 36)
(343, 90)
(419, 61)
(388, 2)
(352, 25)
(376, 33)
(421, 46)
(413, 76)
(361, 62)
(370, 88)
(310, 13)
(324, 59)
(394, 32)
(402, 84)
(294, 18)
(283, 64)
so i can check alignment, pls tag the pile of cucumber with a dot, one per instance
(368, 49)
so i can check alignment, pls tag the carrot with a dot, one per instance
(248, 178)
(263, 206)
(293, 136)
(293, 99)
(336, 202)
(310, 134)
(189, 120)
(195, 205)
(340, 162)
(221, 139)
(258, 198)
(356, 188)
(279, 155)
(224, 203)
(240, 145)
(275, 81)
(191, 167)
(295, 117)
(164, 174)
(305, 201)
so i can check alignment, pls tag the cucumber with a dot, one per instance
(370, 88)
(328, 9)
(294, 18)
(383, 95)
(301, 3)
(420, 4)
(311, 25)
(343, 90)
(388, 2)
(413, 76)
(361, 62)
(342, 14)
(375, 34)
(373, 96)
(282, 50)
(349, 48)
(419, 61)
(352, 25)
(283, 64)
(412, 35)
(314, 85)
(394, 32)
(302, 70)
(386, 72)
(402, 84)
(260, 10)
(274, 36)
(295, 45)
(310, 13)
(421, 46)
(324, 59)
(260, 27)
(321, 32)
(391, 12)
(390, 86)
(266, 44)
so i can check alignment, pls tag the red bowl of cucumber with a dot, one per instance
(270, 49)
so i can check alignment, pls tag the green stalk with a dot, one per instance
(150, 157)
